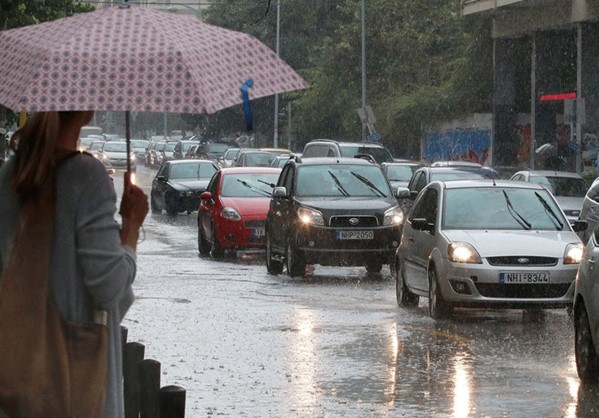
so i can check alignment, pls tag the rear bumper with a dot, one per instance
(246, 233)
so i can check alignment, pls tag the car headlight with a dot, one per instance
(393, 216)
(574, 252)
(462, 252)
(231, 214)
(310, 216)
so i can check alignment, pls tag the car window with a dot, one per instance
(191, 171)
(380, 154)
(420, 182)
(426, 206)
(162, 170)
(593, 192)
(562, 186)
(501, 208)
(115, 147)
(170, 146)
(400, 172)
(316, 150)
(248, 185)
(342, 181)
(213, 184)
(259, 159)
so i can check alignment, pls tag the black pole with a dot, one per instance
(128, 138)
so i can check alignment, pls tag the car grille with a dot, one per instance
(525, 291)
(522, 261)
(346, 221)
(254, 224)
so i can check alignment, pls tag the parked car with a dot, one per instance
(249, 157)
(331, 148)
(590, 210)
(586, 313)
(568, 188)
(487, 243)
(426, 175)
(400, 173)
(233, 209)
(280, 160)
(331, 211)
(156, 155)
(117, 154)
(178, 184)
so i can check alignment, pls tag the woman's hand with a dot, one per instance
(134, 208)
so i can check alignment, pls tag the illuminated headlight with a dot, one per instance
(103, 156)
(310, 216)
(231, 214)
(393, 216)
(462, 252)
(573, 254)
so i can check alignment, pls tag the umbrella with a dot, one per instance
(547, 150)
(135, 59)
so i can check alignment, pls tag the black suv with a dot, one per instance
(331, 211)
(331, 148)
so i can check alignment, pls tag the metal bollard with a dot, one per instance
(132, 355)
(149, 380)
(172, 402)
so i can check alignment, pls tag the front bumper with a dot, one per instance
(323, 245)
(481, 285)
(187, 201)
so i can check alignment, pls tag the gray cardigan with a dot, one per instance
(89, 265)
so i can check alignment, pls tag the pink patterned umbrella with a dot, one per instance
(135, 59)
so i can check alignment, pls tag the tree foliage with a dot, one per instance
(424, 63)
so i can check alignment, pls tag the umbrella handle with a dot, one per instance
(128, 138)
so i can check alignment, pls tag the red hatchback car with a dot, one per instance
(233, 209)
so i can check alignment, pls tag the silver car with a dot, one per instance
(487, 243)
(590, 210)
(586, 312)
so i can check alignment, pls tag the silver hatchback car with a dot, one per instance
(586, 312)
(485, 243)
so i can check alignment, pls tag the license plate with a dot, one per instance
(523, 278)
(258, 232)
(355, 234)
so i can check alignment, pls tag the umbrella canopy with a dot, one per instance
(547, 150)
(135, 59)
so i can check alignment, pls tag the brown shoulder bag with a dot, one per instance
(49, 367)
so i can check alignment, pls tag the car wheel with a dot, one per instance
(204, 245)
(153, 205)
(437, 307)
(404, 296)
(587, 361)
(272, 266)
(296, 261)
(216, 251)
(374, 266)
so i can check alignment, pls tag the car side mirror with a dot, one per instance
(160, 178)
(422, 224)
(402, 193)
(206, 196)
(279, 192)
(579, 225)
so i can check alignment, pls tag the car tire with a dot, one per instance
(216, 251)
(405, 298)
(204, 245)
(296, 261)
(374, 266)
(438, 308)
(272, 266)
(153, 205)
(587, 360)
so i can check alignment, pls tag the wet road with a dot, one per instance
(244, 343)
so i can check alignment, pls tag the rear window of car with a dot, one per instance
(216, 147)
(562, 186)
(342, 181)
(381, 155)
(501, 208)
(192, 171)
(401, 172)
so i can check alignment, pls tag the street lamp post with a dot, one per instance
(275, 141)
(363, 67)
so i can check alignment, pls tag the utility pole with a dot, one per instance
(364, 132)
(275, 141)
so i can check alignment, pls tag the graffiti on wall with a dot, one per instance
(458, 145)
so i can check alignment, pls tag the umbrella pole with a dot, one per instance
(128, 138)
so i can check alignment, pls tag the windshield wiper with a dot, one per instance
(519, 218)
(249, 186)
(272, 185)
(338, 184)
(368, 183)
(558, 224)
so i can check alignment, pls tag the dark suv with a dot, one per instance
(331, 211)
(331, 148)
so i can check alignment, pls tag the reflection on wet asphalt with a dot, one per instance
(334, 344)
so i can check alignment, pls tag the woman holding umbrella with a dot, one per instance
(92, 261)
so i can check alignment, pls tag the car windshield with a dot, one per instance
(115, 147)
(170, 146)
(562, 186)
(501, 208)
(96, 146)
(400, 172)
(342, 181)
(460, 175)
(139, 143)
(192, 170)
(231, 154)
(248, 185)
(217, 148)
(185, 145)
(259, 159)
(381, 155)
